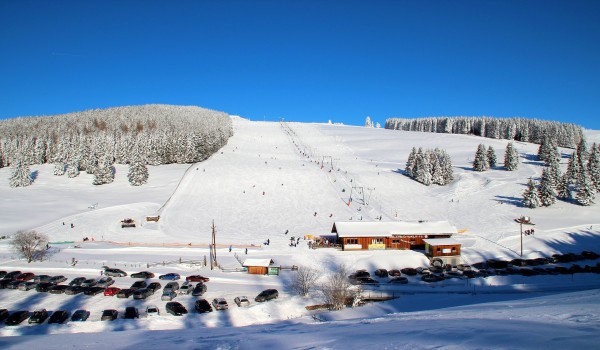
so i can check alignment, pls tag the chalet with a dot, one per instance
(445, 249)
(390, 235)
(261, 267)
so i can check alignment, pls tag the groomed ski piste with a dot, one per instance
(277, 180)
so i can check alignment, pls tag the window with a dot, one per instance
(351, 240)
(453, 249)
(395, 241)
(377, 241)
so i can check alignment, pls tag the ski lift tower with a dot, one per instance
(524, 220)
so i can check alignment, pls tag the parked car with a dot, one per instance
(3, 273)
(171, 286)
(139, 285)
(152, 311)
(365, 281)
(125, 293)
(398, 280)
(27, 285)
(38, 316)
(25, 276)
(199, 289)
(432, 278)
(197, 278)
(154, 286)
(109, 315)
(242, 301)
(16, 318)
(202, 305)
(220, 304)
(41, 278)
(3, 314)
(58, 289)
(409, 271)
(381, 273)
(13, 284)
(186, 288)
(267, 294)
(142, 293)
(90, 282)
(4, 283)
(168, 295)
(59, 316)
(111, 291)
(131, 312)
(93, 290)
(74, 290)
(12, 275)
(80, 316)
(176, 309)
(143, 274)
(169, 276)
(105, 281)
(114, 272)
(394, 273)
(57, 279)
(359, 273)
(43, 287)
(77, 281)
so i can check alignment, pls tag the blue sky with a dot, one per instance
(305, 60)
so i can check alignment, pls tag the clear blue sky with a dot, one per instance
(305, 60)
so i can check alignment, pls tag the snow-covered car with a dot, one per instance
(220, 304)
(242, 301)
(152, 311)
(168, 296)
(186, 288)
(170, 276)
(109, 315)
(105, 282)
(114, 272)
(171, 287)
(57, 279)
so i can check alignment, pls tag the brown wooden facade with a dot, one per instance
(441, 250)
(394, 242)
(258, 270)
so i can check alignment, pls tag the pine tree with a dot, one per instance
(582, 151)
(547, 192)
(585, 191)
(563, 188)
(368, 122)
(593, 167)
(481, 161)
(21, 175)
(448, 169)
(437, 173)
(491, 156)
(573, 168)
(73, 169)
(104, 172)
(531, 197)
(410, 163)
(423, 169)
(511, 157)
(138, 172)
(59, 168)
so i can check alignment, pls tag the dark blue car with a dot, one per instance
(170, 276)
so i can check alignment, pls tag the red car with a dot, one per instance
(110, 291)
(197, 278)
(25, 276)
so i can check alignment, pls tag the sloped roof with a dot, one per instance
(441, 241)
(394, 228)
(257, 262)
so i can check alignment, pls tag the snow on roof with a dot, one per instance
(441, 241)
(389, 229)
(257, 262)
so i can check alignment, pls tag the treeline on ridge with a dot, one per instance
(519, 129)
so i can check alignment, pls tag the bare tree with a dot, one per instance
(337, 291)
(305, 280)
(30, 245)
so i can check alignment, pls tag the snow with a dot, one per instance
(388, 229)
(274, 178)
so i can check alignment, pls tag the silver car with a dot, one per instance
(168, 295)
(105, 282)
(220, 304)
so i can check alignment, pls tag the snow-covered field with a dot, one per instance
(296, 178)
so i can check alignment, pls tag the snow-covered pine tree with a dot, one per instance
(59, 168)
(547, 192)
(21, 175)
(368, 122)
(480, 163)
(511, 158)
(73, 169)
(531, 197)
(104, 172)
(377, 125)
(437, 172)
(138, 171)
(593, 167)
(423, 169)
(491, 156)
(563, 188)
(554, 168)
(410, 163)
(446, 163)
(585, 189)
(582, 151)
(573, 168)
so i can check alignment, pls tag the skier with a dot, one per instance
(246, 251)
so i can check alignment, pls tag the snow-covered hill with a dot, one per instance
(273, 178)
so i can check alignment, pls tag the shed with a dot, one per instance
(261, 267)
(439, 247)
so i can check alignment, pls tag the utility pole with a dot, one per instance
(213, 249)
(527, 221)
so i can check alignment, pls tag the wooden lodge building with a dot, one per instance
(358, 235)
(261, 267)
